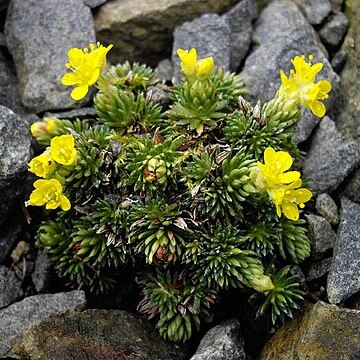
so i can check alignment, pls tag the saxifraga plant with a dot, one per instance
(198, 195)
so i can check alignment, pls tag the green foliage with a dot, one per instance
(284, 298)
(170, 191)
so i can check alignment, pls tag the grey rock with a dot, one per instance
(330, 159)
(82, 113)
(344, 277)
(321, 234)
(352, 187)
(296, 270)
(326, 207)
(2, 40)
(315, 10)
(159, 95)
(164, 70)
(15, 141)
(18, 317)
(9, 234)
(338, 61)
(42, 271)
(222, 342)
(323, 332)
(142, 30)
(9, 86)
(94, 3)
(280, 34)
(318, 269)
(240, 19)
(209, 34)
(10, 287)
(305, 126)
(334, 30)
(95, 334)
(39, 34)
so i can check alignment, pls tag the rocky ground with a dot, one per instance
(256, 38)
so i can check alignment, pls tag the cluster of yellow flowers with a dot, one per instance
(282, 186)
(194, 69)
(85, 66)
(48, 192)
(300, 85)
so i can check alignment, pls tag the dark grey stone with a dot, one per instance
(318, 269)
(9, 234)
(165, 70)
(159, 95)
(82, 113)
(15, 141)
(94, 3)
(352, 187)
(240, 19)
(326, 207)
(334, 30)
(95, 334)
(330, 159)
(222, 342)
(39, 34)
(280, 34)
(4, 4)
(338, 61)
(9, 87)
(18, 317)
(321, 234)
(315, 10)
(42, 271)
(305, 126)
(209, 34)
(10, 287)
(344, 277)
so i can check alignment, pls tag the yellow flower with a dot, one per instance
(51, 125)
(85, 66)
(42, 165)
(49, 193)
(273, 172)
(194, 69)
(288, 199)
(300, 85)
(63, 149)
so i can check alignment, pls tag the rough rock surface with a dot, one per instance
(209, 34)
(18, 317)
(321, 234)
(142, 29)
(338, 61)
(326, 207)
(39, 34)
(95, 334)
(222, 342)
(281, 33)
(324, 332)
(41, 274)
(240, 19)
(10, 287)
(9, 87)
(9, 233)
(164, 70)
(94, 3)
(334, 30)
(318, 269)
(14, 155)
(315, 10)
(82, 113)
(344, 277)
(330, 159)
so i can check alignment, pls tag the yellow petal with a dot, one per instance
(38, 184)
(296, 184)
(283, 161)
(205, 67)
(317, 108)
(56, 184)
(70, 79)
(291, 210)
(76, 57)
(64, 203)
(94, 77)
(269, 155)
(37, 198)
(289, 177)
(52, 204)
(324, 86)
(79, 92)
(302, 195)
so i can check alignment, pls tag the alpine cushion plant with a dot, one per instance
(196, 193)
